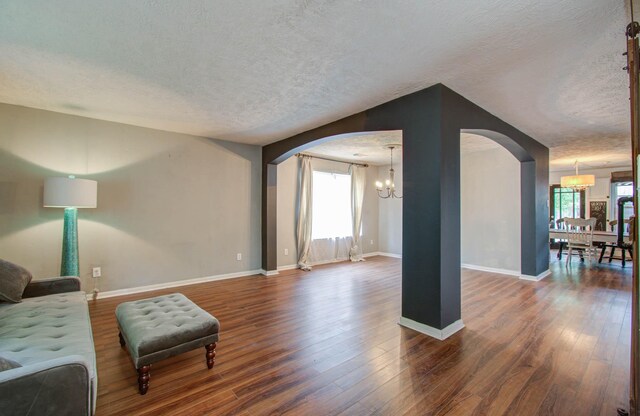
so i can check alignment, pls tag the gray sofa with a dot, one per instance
(47, 345)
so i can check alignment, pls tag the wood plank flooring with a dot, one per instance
(326, 342)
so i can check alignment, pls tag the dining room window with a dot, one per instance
(566, 203)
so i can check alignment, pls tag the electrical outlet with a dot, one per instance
(286, 251)
(97, 271)
(239, 256)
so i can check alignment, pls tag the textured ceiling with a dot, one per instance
(365, 148)
(259, 71)
(372, 147)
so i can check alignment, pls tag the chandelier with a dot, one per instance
(577, 182)
(389, 190)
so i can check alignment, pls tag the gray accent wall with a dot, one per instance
(170, 206)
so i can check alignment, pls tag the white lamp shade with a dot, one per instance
(577, 181)
(70, 192)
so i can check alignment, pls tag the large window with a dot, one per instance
(331, 205)
(566, 202)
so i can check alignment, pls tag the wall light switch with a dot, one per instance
(239, 256)
(371, 242)
(97, 272)
(286, 251)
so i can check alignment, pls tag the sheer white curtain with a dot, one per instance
(305, 203)
(357, 197)
(325, 250)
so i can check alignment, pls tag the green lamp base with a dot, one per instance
(70, 265)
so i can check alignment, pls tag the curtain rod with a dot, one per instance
(332, 160)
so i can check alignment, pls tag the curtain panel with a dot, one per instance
(304, 220)
(358, 179)
(324, 250)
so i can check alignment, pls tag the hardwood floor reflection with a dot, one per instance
(326, 342)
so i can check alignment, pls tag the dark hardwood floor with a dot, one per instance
(326, 342)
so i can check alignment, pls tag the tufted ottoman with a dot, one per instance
(164, 326)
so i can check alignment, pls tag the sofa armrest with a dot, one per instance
(51, 286)
(61, 386)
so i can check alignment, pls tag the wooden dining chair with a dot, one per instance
(580, 237)
(559, 225)
(613, 246)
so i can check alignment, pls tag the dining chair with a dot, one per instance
(559, 225)
(613, 246)
(580, 236)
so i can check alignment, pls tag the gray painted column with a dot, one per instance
(430, 210)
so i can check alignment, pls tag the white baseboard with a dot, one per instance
(491, 269)
(372, 254)
(295, 266)
(395, 256)
(381, 253)
(287, 267)
(167, 285)
(536, 278)
(440, 334)
(508, 272)
(268, 272)
(338, 260)
(318, 263)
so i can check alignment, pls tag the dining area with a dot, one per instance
(579, 236)
(591, 216)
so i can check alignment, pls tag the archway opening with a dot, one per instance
(490, 206)
(331, 158)
(431, 121)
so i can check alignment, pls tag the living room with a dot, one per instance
(188, 117)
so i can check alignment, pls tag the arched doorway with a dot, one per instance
(331, 163)
(490, 207)
(431, 121)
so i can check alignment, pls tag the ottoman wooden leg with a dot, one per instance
(143, 379)
(122, 341)
(211, 355)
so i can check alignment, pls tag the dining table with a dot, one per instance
(598, 237)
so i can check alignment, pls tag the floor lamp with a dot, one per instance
(70, 193)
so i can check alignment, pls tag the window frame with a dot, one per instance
(552, 208)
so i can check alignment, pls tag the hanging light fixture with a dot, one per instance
(389, 184)
(577, 182)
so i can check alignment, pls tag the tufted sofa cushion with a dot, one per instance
(47, 327)
(163, 323)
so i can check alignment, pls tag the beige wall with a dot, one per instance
(286, 212)
(170, 206)
(490, 209)
(390, 214)
(286, 200)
